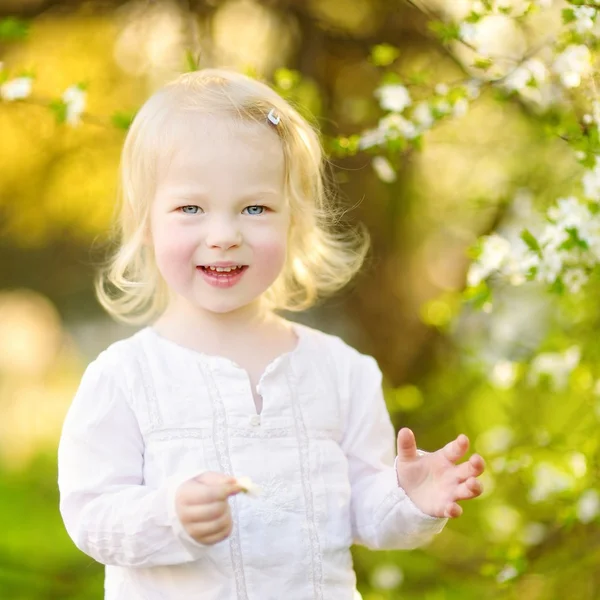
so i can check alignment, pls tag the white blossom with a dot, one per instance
(460, 108)
(473, 89)
(532, 70)
(372, 137)
(584, 18)
(548, 480)
(467, 32)
(478, 7)
(387, 577)
(574, 63)
(556, 366)
(569, 212)
(396, 125)
(248, 486)
(588, 506)
(533, 533)
(384, 169)
(394, 97)
(591, 182)
(443, 106)
(390, 127)
(423, 116)
(441, 89)
(75, 98)
(504, 374)
(507, 573)
(16, 89)
(495, 251)
(496, 440)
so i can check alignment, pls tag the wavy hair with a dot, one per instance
(322, 257)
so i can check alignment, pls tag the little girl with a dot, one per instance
(225, 219)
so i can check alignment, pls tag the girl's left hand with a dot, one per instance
(434, 482)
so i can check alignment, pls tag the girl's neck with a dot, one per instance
(208, 331)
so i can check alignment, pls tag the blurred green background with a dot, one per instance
(535, 533)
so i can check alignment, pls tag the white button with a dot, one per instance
(255, 420)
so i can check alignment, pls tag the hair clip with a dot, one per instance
(274, 117)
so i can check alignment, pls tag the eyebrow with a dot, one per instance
(199, 193)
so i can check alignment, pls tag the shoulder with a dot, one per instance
(118, 361)
(348, 360)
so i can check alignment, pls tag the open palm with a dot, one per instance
(434, 482)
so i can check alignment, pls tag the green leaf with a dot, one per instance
(473, 17)
(122, 120)
(13, 28)
(531, 241)
(192, 61)
(483, 63)
(59, 108)
(574, 240)
(446, 32)
(568, 15)
(384, 55)
(558, 287)
(478, 296)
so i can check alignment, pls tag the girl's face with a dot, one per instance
(219, 221)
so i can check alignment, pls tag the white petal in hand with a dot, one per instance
(434, 482)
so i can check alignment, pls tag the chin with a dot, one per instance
(222, 308)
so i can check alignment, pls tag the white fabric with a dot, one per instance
(150, 414)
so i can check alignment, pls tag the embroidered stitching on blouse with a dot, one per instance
(150, 389)
(179, 434)
(303, 445)
(196, 433)
(275, 501)
(222, 449)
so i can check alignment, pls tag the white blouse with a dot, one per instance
(150, 414)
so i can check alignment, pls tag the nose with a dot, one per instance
(223, 233)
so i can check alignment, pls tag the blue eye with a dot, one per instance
(190, 209)
(255, 210)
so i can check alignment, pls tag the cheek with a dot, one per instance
(173, 250)
(270, 252)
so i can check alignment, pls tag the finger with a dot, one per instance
(472, 468)
(217, 537)
(407, 446)
(452, 511)
(199, 513)
(478, 464)
(469, 489)
(214, 489)
(214, 527)
(457, 448)
(212, 478)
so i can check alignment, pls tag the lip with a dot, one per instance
(222, 279)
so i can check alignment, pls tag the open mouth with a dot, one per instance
(222, 277)
(223, 270)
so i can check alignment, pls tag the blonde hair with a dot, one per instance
(320, 260)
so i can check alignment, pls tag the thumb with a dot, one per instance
(407, 446)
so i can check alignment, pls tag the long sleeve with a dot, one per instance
(383, 516)
(107, 510)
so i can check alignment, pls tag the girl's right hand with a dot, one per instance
(202, 506)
